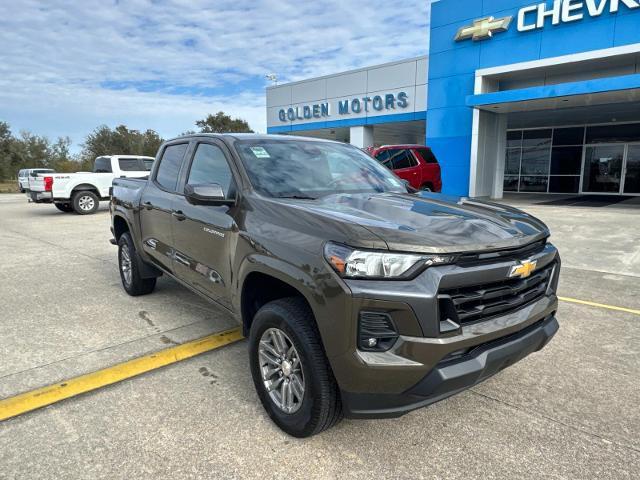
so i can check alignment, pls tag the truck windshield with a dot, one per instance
(311, 169)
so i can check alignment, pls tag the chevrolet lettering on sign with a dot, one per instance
(539, 15)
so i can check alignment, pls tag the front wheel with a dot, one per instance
(85, 202)
(290, 370)
(132, 282)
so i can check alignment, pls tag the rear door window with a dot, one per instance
(148, 163)
(102, 165)
(169, 168)
(401, 158)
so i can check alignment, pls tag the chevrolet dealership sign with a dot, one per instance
(537, 16)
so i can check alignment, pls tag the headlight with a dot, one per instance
(371, 264)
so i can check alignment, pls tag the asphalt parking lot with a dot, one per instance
(569, 411)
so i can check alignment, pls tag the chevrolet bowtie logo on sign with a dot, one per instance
(524, 270)
(484, 28)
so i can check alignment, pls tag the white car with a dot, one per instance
(25, 173)
(82, 192)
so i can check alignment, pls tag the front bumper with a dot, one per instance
(454, 375)
(380, 383)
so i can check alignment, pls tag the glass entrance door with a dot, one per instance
(632, 170)
(603, 169)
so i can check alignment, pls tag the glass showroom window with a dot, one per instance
(544, 160)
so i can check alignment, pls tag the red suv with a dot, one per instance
(415, 163)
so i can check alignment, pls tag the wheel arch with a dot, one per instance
(86, 187)
(120, 226)
(279, 284)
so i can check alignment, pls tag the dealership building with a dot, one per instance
(514, 96)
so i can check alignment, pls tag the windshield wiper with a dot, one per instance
(298, 197)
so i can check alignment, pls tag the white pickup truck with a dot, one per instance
(82, 192)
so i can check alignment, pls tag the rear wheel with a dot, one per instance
(85, 202)
(64, 207)
(132, 282)
(290, 370)
(426, 187)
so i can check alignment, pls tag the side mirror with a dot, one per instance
(207, 194)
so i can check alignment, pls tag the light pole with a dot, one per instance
(272, 77)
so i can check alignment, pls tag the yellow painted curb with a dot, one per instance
(41, 397)
(600, 305)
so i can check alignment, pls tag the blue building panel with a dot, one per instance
(627, 30)
(450, 91)
(501, 50)
(451, 11)
(583, 36)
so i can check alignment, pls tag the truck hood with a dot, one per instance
(431, 223)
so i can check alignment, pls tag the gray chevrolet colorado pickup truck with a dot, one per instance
(358, 297)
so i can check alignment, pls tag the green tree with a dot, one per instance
(60, 158)
(223, 123)
(6, 143)
(118, 141)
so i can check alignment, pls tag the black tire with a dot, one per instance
(134, 285)
(85, 202)
(64, 207)
(321, 407)
(427, 187)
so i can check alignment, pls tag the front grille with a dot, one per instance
(472, 259)
(481, 302)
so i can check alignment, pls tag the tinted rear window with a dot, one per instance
(170, 163)
(427, 155)
(130, 164)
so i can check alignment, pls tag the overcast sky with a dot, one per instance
(67, 67)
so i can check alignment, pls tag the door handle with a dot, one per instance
(148, 205)
(178, 215)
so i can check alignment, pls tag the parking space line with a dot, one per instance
(599, 305)
(41, 397)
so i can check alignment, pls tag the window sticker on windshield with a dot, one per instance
(260, 152)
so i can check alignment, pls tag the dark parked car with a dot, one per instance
(414, 163)
(358, 298)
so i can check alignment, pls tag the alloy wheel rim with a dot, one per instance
(281, 370)
(125, 264)
(86, 203)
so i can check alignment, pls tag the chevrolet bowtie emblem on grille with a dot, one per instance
(484, 28)
(524, 270)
